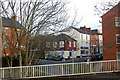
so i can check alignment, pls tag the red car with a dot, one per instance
(92, 58)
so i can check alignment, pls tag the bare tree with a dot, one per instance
(35, 18)
(103, 6)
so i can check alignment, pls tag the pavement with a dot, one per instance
(100, 76)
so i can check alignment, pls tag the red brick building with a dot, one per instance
(111, 33)
(62, 45)
(9, 39)
(95, 40)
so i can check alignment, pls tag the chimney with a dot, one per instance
(83, 28)
(14, 18)
(88, 30)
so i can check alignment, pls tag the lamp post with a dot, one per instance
(72, 61)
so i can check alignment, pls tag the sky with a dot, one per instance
(85, 10)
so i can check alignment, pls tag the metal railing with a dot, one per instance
(65, 69)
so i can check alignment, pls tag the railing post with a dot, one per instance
(101, 66)
(118, 65)
(3, 73)
(33, 71)
(90, 67)
(62, 69)
(72, 68)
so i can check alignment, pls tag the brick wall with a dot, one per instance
(109, 34)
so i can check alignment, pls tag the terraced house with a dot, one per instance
(9, 36)
(88, 41)
(62, 44)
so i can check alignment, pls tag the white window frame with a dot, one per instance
(82, 36)
(5, 44)
(5, 31)
(117, 55)
(55, 44)
(117, 21)
(74, 44)
(69, 43)
(61, 44)
(116, 38)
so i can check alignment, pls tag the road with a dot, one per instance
(58, 62)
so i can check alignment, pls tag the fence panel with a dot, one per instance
(60, 69)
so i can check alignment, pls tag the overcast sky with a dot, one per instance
(86, 11)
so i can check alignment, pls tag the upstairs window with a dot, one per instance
(117, 38)
(86, 37)
(69, 43)
(5, 44)
(5, 31)
(74, 44)
(18, 32)
(48, 44)
(61, 43)
(81, 36)
(17, 45)
(55, 44)
(117, 21)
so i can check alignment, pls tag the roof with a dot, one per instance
(9, 23)
(52, 38)
(81, 31)
(64, 37)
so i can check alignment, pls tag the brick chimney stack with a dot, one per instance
(83, 28)
(88, 30)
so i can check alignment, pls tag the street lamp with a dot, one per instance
(72, 61)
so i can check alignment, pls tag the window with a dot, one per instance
(70, 53)
(117, 21)
(5, 31)
(96, 37)
(69, 43)
(55, 44)
(96, 49)
(96, 42)
(81, 36)
(117, 38)
(118, 55)
(91, 43)
(74, 44)
(82, 51)
(61, 43)
(48, 44)
(17, 45)
(18, 32)
(5, 44)
(86, 37)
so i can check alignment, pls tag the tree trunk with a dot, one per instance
(20, 63)
(11, 76)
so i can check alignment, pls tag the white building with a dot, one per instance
(83, 40)
(101, 43)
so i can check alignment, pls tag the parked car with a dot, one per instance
(100, 55)
(91, 58)
(50, 57)
(58, 58)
